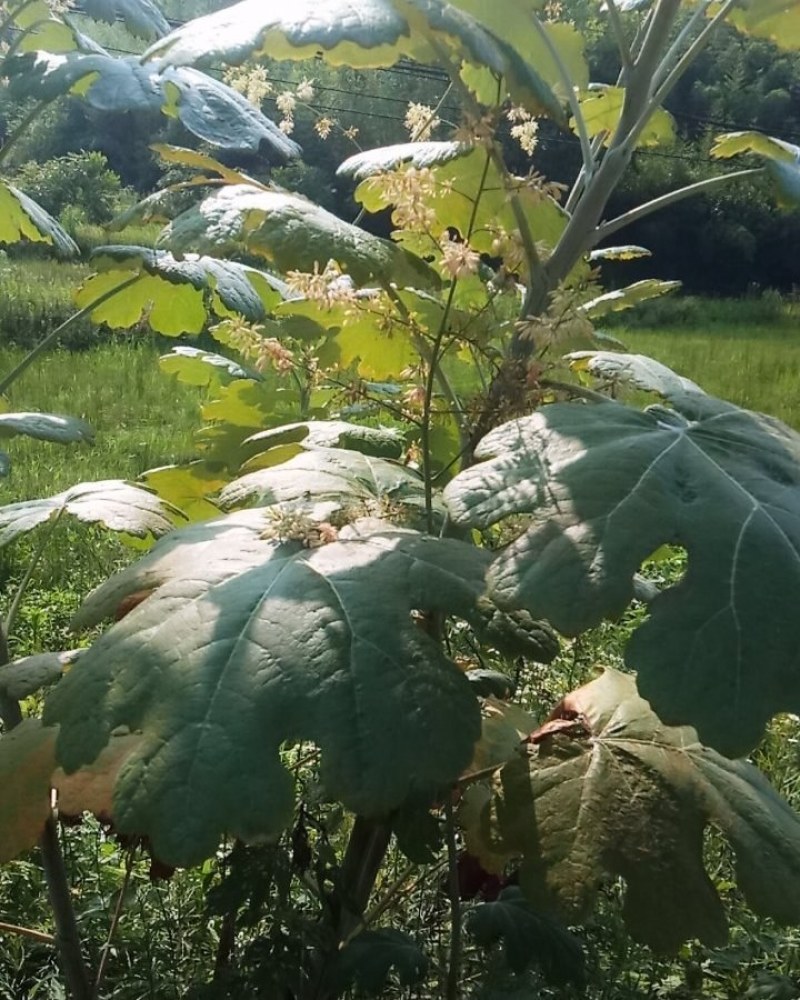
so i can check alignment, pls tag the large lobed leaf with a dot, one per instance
(141, 17)
(246, 644)
(605, 789)
(175, 295)
(371, 34)
(292, 232)
(113, 503)
(607, 485)
(208, 108)
(22, 219)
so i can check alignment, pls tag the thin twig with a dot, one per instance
(28, 932)
(106, 949)
(454, 963)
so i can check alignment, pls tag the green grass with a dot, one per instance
(751, 362)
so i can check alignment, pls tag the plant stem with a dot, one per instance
(33, 562)
(454, 962)
(106, 950)
(51, 337)
(28, 932)
(619, 34)
(607, 228)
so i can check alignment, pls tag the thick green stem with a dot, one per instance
(53, 336)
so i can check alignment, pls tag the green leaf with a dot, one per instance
(27, 761)
(379, 33)
(516, 633)
(292, 232)
(605, 789)
(626, 298)
(198, 160)
(22, 219)
(367, 961)
(117, 505)
(188, 487)
(601, 106)
(208, 108)
(783, 161)
(46, 427)
(634, 370)
(471, 195)
(529, 937)
(246, 644)
(22, 678)
(349, 478)
(174, 295)
(193, 366)
(379, 442)
(605, 486)
(140, 17)
(777, 20)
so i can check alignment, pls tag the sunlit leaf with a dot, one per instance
(194, 366)
(601, 107)
(21, 678)
(777, 20)
(629, 252)
(604, 486)
(113, 503)
(626, 298)
(380, 442)
(46, 427)
(605, 789)
(174, 295)
(22, 219)
(293, 233)
(188, 487)
(634, 370)
(246, 643)
(783, 161)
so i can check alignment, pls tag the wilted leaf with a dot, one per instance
(616, 793)
(113, 503)
(247, 644)
(22, 219)
(24, 677)
(174, 295)
(368, 959)
(634, 370)
(46, 427)
(27, 761)
(292, 232)
(529, 937)
(783, 161)
(607, 485)
(208, 108)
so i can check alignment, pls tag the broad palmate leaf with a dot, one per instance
(113, 503)
(634, 370)
(292, 232)
(174, 295)
(373, 33)
(604, 789)
(247, 644)
(208, 108)
(22, 219)
(607, 485)
(141, 17)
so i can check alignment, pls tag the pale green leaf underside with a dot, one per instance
(22, 219)
(620, 794)
(633, 370)
(21, 678)
(141, 17)
(247, 644)
(606, 486)
(46, 427)
(381, 442)
(292, 232)
(113, 503)
(628, 297)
